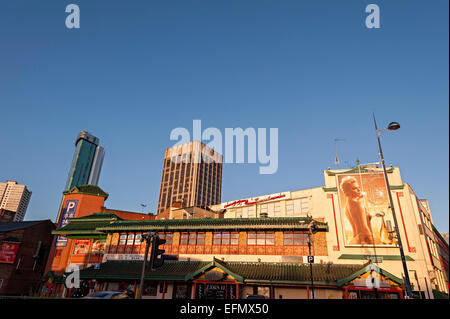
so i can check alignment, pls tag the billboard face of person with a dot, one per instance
(367, 218)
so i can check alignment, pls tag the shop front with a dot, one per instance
(216, 283)
(372, 282)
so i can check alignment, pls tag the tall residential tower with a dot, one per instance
(87, 161)
(14, 199)
(192, 174)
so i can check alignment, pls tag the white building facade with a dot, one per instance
(333, 205)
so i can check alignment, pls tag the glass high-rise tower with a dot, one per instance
(87, 161)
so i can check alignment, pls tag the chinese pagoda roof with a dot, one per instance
(286, 223)
(87, 225)
(89, 190)
(243, 272)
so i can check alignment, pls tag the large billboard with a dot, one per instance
(365, 213)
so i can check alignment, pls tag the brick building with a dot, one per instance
(81, 204)
(24, 248)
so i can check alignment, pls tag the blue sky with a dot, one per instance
(135, 70)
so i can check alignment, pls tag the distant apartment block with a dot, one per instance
(14, 199)
(192, 175)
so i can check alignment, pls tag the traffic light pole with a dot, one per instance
(152, 239)
(147, 238)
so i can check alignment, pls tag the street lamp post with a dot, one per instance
(311, 227)
(310, 263)
(393, 126)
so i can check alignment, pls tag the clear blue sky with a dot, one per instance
(137, 69)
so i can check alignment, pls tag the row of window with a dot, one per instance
(223, 239)
(293, 207)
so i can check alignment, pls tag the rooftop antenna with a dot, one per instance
(336, 160)
(143, 207)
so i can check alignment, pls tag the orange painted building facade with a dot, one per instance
(86, 204)
(83, 201)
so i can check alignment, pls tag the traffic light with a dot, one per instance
(156, 257)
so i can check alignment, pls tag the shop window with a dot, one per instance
(234, 239)
(217, 239)
(192, 239)
(184, 238)
(137, 243)
(260, 239)
(225, 239)
(201, 239)
(130, 240)
(122, 239)
(137, 239)
(251, 239)
(270, 239)
(263, 291)
(167, 236)
(150, 289)
(295, 239)
(181, 291)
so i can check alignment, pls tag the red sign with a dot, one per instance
(8, 252)
(247, 202)
(81, 247)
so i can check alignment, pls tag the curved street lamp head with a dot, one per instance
(393, 126)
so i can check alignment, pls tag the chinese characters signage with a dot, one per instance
(81, 247)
